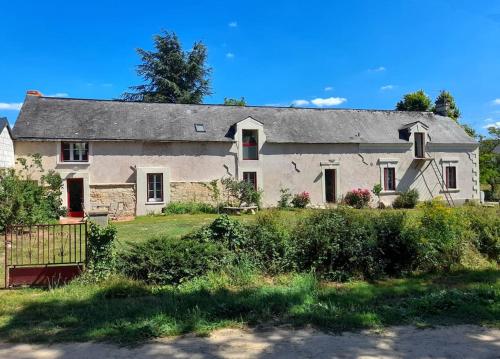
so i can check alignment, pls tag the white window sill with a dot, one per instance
(450, 190)
(388, 192)
(154, 203)
(73, 163)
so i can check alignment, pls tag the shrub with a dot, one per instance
(301, 200)
(242, 192)
(165, 260)
(188, 208)
(485, 224)
(100, 257)
(406, 199)
(336, 244)
(25, 201)
(397, 253)
(223, 230)
(441, 235)
(357, 198)
(270, 243)
(285, 198)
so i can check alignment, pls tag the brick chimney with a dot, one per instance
(34, 93)
(442, 108)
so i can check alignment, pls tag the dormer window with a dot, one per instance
(250, 144)
(199, 127)
(419, 144)
(74, 152)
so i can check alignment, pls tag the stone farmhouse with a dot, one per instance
(144, 155)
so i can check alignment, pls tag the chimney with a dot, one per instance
(34, 93)
(442, 108)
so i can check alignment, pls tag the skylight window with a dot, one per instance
(199, 127)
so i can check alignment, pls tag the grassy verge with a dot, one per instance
(127, 312)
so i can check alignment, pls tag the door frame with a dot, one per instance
(333, 165)
(68, 182)
(334, 184)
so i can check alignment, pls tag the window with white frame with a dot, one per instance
(74, 152)
(388, 179)
(451, 176)
(155, 187)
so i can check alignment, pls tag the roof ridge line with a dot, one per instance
(246, 106)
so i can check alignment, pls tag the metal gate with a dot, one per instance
(44, 254)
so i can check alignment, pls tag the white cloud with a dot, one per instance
(300, 103)
(58, 94)
(10, 106)
(230, 55)
(378, 69)
(233, 24)
(387, 87)
(328, 88)
(330, 101)
(492, 124)
(496, 101)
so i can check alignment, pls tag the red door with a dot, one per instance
(75, 197)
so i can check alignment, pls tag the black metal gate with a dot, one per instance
(44, 254)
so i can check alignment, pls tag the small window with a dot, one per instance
(155, 187)
(74, 152)
(451, 177)
(250, 145)
(199, 127)
(419, 145)
(250, 177)
(389, 179)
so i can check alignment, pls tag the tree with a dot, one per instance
(415, 101)
(171, 74)
(234, 101)
(489, 162)
(446, 97)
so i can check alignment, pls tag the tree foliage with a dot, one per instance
(234, 101)
(171, 74)
(415, 101)
(489, 162)
(446, 97)
(26, 201)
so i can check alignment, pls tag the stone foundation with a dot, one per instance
(105, 195)
(189, 192)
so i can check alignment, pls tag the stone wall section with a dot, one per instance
(190, 192)
(121, 194)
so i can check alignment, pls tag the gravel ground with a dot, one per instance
(463, 341)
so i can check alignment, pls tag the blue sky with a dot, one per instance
(349, 54)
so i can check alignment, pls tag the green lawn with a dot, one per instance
(178, 225)
(126, 312)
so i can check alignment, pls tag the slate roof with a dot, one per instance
(47, 118)
(4, 124)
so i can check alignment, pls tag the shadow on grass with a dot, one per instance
(129, 313)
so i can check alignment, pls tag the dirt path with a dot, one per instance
(398, 342)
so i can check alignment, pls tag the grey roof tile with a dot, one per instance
(56, 118)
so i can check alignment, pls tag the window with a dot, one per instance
(155, 187)
(250, 177)
(74, 152)
(199, 127)
(389, 179)
(419, 145)
(250, 145)
(451, 177)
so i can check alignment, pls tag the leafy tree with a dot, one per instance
(489, 162)
(415, 101)
(171, 74)
(469, 130)
(446, 97)
(234, 101)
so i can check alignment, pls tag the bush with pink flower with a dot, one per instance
(357, 198)
(301, 200)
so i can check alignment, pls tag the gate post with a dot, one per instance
(6, 267)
